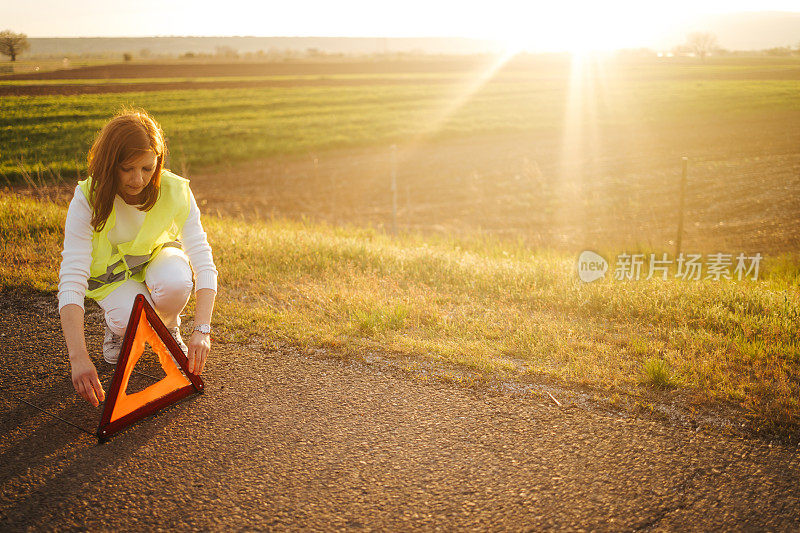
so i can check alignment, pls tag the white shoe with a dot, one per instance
(112, 345)
(176, 334)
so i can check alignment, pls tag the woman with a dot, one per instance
(132, 228)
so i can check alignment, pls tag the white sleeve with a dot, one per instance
(77, 254)
(197, 249)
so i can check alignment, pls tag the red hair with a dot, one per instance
(122, 140)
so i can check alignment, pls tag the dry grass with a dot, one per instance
(478, 303)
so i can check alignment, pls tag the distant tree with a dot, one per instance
(12, 44)
(127, 56)
(701, 43)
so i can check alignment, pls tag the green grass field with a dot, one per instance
(49, 135)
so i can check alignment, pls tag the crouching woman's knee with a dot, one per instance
(169, 279)
(172, 294)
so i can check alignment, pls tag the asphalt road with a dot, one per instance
(286, 441)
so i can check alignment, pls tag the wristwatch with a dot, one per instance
(205, 329)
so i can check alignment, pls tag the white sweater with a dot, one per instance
(73, 279)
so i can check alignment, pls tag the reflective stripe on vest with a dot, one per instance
(135, 263)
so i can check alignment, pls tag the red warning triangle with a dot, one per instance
(121, 409)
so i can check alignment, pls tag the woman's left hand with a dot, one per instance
(199, 348)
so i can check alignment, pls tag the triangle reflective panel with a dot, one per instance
(121, 409)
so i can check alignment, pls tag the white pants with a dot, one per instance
(167, 287)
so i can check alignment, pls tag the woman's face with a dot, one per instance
(135, 175)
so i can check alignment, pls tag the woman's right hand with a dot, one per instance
(85, 380)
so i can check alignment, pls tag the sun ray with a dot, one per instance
(465, 93)
(580, 148)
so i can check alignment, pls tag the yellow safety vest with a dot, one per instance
(161, 227)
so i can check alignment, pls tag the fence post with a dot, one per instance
(682, 205)
(394, 189)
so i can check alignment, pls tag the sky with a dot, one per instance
(523, 23)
